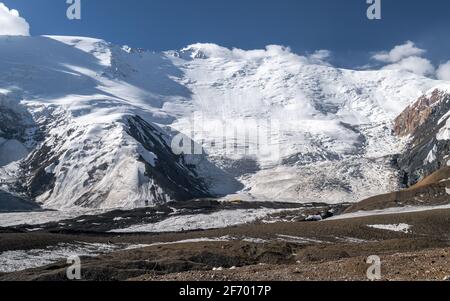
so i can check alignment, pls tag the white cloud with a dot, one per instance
(399, 53)
(11, 23)
(406, 57)
(320, 57)
(413, 64)
(202, 50)
(443, 71)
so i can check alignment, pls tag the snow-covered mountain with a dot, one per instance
(86, 123)
(427, 123)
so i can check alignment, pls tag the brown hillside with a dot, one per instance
(432, 191)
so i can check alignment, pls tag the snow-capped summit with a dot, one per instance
(98, 123)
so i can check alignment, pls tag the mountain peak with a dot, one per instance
(79, 94)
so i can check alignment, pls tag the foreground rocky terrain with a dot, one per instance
(412, 266)
(327, 250)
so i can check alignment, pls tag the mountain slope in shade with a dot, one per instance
(97, 121)
(13, 203)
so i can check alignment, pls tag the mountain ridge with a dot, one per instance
(331, 122)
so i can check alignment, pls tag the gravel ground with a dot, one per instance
(327, 250)
(429, 265)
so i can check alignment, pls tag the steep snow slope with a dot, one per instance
(333, 126)
(99, 121)
(92, 150)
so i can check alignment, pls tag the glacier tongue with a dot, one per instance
(100, 119)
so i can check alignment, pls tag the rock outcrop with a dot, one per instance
(418, 113)
(427, 152)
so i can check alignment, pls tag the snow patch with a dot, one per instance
(313, 218)
(389, 211)
(444, 118)
(431, 156)
(405, 228)
(444, 132)
(299, 240)
(189, 241)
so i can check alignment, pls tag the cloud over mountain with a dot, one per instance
(443, 71)
(398, 53)
(414, 64)
(407, 57)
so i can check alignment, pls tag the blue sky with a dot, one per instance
(305, 25)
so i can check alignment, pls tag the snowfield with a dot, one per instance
(221, 219)
(405, 228)
(96, 124)
(13, 261)
(43, 217)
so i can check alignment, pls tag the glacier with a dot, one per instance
(95, 122)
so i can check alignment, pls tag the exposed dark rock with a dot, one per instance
(421, 121)
(171, 173)
(418, 113)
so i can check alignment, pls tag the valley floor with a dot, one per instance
(429, 265)
(412, 246)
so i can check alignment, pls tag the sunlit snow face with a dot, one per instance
(233, 138)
